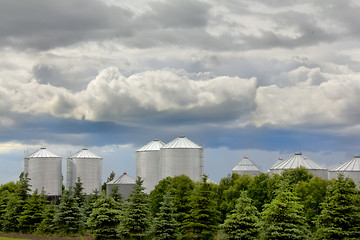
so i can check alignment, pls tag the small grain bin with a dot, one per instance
(148, 164)
(44, 170)
(124, 183)
(246, 166)
(182, 156)
(350, 169)
(88, 167)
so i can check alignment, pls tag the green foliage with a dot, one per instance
(4, 199)
(116, 195)
(89, 201)
(311, 194)
(165, 226)
(340, 215)
(69, 218)
(110, 178)
(47, 224)
(283, 218)
(243, 220)
(135, 223)
(31, 216)
(263, 188)
(78, 192)
(294, 176)
(203, 217)
(104, 218)
(10, 187)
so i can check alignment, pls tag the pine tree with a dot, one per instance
(165, 226)
(47, 224)
(104, 218)
(203, 218)
(69, 218)
(89, 201)
(243, 220)
(4, 199)
(283, 218)
(115, 194)
(135, 222)
(32, 213)
(340, 214)
(16, 204)
(78, 192)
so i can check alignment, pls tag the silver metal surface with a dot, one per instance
(44, 171)
(125, 185)
(88, 167)
(181, 156)
(246, 166)
(350, 169)
(148, 164)
(299, 160)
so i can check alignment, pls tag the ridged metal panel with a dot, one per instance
(88, 167)
(246, 166)
(178, 161)
(44, 171)
(125, 185)
(299, 160)
(350, 169)
(148, 164)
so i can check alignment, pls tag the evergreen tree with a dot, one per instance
(47, 224)
(69, 218)
(4, 199)
(135, 222)
(116, 195)
(203, 218)
(243, 220)
(31, 215)
(110, 178)
(104, 218)
(340, 215)
(89, 201)
(16, 204)
(78, 192)
(165, 226)
(283, 218)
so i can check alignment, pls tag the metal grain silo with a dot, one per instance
(148, 164)
(125, 185)
(350, 169)
(88, 167)
(299, 160)
(246, 166)
(182, 156)
(44, 170)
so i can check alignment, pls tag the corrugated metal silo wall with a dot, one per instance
(45, 174)
(148, 167)
(124, 189)
(354, 175)
(250, 172)
(90, 172)
(177, 161)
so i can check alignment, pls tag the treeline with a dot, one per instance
(294, 205)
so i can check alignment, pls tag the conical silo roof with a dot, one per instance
(353, 165)
(278, 162)
(123, 179)
(42, 153)
(85, 153)
(181, 142)
(296, 161)
(246, 165)
(154, 145)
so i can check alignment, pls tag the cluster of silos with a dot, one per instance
(88, 167)
(44, 170)
(124, 183)
(350, 169)
(157, 160)
(246, 167)
(296, 161)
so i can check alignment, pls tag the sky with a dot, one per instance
(262, 79)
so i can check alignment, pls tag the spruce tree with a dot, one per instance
(47, 224)
(243, 220)
(4, 199)
(69, 218)
(104, 218)
(340, 214)
(32, 213)
(78, 192)
(165, 226)
(283, 218)
(203, 218)
(135, 222)
(89, 201)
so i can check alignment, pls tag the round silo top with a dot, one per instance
(353, 165)
(123, 179)
(42, 153)
(154, 145)
(181, 142)
(296, 161)
(246, 165)
(85, 153)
